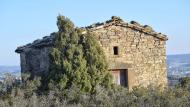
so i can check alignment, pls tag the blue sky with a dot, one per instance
(22, 21)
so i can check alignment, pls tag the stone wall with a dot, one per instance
(35, 60)
(143, 54)
(34, 57)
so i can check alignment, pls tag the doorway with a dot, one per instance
(124, 77)
(120, 77)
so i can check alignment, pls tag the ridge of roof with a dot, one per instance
(117, 21)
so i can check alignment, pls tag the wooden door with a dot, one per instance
(124, 77)
(116, 76)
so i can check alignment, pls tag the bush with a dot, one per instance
(76, 59)
(25, 95)
(185, 83)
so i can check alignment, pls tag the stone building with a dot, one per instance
(136, 53)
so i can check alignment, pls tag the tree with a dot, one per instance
(77, 59)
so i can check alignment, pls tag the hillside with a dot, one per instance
(179, 64)
(178, 67)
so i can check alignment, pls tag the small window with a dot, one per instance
(115, 50)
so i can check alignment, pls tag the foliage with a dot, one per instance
(185, 83)
(117, 96)
(77, 59)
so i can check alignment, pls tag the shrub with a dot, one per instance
(77, 59)
(117, 96)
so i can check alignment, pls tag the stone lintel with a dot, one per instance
(118, 65)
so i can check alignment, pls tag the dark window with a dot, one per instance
(115, 50)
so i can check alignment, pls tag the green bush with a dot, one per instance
(25, 95)
(185, 83)
(77, 59)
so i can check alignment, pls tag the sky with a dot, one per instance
(23, 21)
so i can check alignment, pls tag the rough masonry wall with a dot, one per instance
(144, 54)
(35, 60)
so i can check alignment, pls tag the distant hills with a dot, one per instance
(182, 59)
(179, 64)
(14, 70)
(178, 67)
